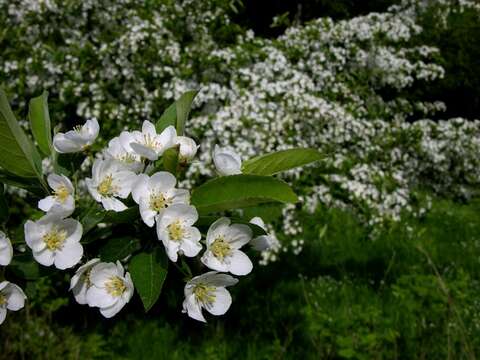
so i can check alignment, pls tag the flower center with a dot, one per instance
(220, 248)
(115, 286)
(3, 300)
(204, 293)
(106, 187)
(127, 158)
(61, 193)
(55, 238)
(176, 231)
(159, 201)
(150, 142)
(78, 128)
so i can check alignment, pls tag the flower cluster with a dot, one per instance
(132, 169)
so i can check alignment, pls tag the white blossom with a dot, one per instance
(148, 143)
(227, 161)
(156, 193)
(80, 282)
(208, 292)
(12, 298)
(55, 240)
(175, 230)
(111, 288)
(62, 200)
(130, 159)
(77, 139)
(188, 148)
(223, 244)
(110, 181)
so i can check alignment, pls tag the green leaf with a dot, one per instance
(40, 122)
(119, 248)
(279, 161)
(184, 104)
(18, 155)
(3, 205)
(170, 160)
(149, 271)
(177, 113)
(21, 182)
(126, 216)
(25, 267)
(239, 191)
(91, 216)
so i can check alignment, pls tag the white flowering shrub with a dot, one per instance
(341, 87)
(121, 222)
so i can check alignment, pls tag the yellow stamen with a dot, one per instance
(204, 293)
(115, 286)
(61, 193)
(127, 158)
(176, 231)
(220, 248)
(150, 142)
(106, 187)
(55, 238)
(159, 201)
(77, 128)
(3, 300)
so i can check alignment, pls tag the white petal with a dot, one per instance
(147, 214)
(69, 255)
(167, 138)
(220, 226)
(239, 235)
(44, 257)
(140, 188)
(222, 302)
(144, 151)
(191, 245)
(112, 310)
(226, 161)
(6, 250)
(3, 314)
(63, 144)
(80, 293)
(126, 180)
(216, 279)
(127, 295)
(240, 264)
(56, 181)
(92, 189)
(148, 128)
(15, 297)
(209, 260)
(74, 229)
(257, 220)
(33, 236)
(110, 203)
(97, 297)
(192, 308)
(261, 243)
(46, 203)
(101, 272)
(162, 181)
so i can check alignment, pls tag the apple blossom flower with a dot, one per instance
(227, 161)
(223, 244)
(55, 240)
(262, 242)
(62, 201)
(12, 298)
(188, 148)
(80, 282)
(6, 249)
(148, 143)
(111, 288)
(154, 194)
(110, 181)
(77, 139)
(207, 291)
(130, 159)
(175, 230)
